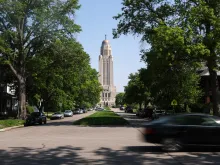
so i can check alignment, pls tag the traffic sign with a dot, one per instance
(174, 102)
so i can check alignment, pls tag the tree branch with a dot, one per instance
(14, 71)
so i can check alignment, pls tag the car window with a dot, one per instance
(207, 121)
(162, 120)
(35, 114)
(194, 120)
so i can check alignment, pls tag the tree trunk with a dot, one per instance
(214, 87)
(22, 99)
(140, 105)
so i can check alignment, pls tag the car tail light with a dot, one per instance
(149, 131)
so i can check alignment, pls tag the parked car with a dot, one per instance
(138, 112)
(100, 109)
(35, 118)
(68, 113)
(146, 112)
(158, 113)
(128, 109)
(76, 111)
(178, 131)
(57, 115)
(84, 110)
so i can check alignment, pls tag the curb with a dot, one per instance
(9, 128)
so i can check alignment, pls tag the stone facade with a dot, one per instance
(106, 77)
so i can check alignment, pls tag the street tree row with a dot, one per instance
(37, 44)
(181, 35)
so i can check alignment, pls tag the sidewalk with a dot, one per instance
(9, 128)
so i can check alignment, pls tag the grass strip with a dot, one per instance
(10, 123)
(102, 118)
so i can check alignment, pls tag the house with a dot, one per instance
(205, 83)
(8, 99)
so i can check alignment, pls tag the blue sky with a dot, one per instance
(95, 18)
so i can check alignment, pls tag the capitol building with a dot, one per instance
(106, 75)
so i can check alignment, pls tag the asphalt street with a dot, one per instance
(61, 143)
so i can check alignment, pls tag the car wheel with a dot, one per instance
(40, 122)
(45, 122)
(171, 144)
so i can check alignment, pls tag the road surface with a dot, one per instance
(61, 143)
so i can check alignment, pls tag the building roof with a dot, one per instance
(205, 72)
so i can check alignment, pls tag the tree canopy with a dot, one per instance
(184, 33)
(37, 43)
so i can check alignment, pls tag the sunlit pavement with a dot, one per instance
(59, 142)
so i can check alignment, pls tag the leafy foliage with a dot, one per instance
(119, 99)
(181, 34)
(36, 42)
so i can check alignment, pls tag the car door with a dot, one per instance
(212, 131)
(190, 129)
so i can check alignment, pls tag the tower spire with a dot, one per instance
(105, 37)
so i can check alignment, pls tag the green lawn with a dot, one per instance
(102, 118)
(10, 123)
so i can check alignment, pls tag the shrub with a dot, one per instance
(30, 109)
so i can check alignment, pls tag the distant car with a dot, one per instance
(68, 113)
(128, 110)
(35, 118)
(84, 110)
(76, 111)
(57, 115)
(158, 113)
(178, 131)
(100, 109)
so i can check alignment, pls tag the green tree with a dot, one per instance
(62, 74)
(119, 99)
(27, 27)
(187, 30)
(136, 92)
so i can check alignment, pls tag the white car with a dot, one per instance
(100, 109)
(68, 113)
(57, 115)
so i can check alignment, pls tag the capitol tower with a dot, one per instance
(106, 76)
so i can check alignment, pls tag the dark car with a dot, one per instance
(158, 113)
(146, 112)
(35, 118)
(128, 110)
(179, 131)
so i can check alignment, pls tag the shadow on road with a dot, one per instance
(67, 155)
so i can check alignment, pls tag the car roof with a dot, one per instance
(193, 114)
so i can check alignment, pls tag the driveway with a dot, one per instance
(61, 143)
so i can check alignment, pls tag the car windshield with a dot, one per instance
(57, 113)
(161, 120)
(68, 111)
(35, 114)
(195, 120)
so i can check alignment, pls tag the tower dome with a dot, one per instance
(106, 47)
(105, 42)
